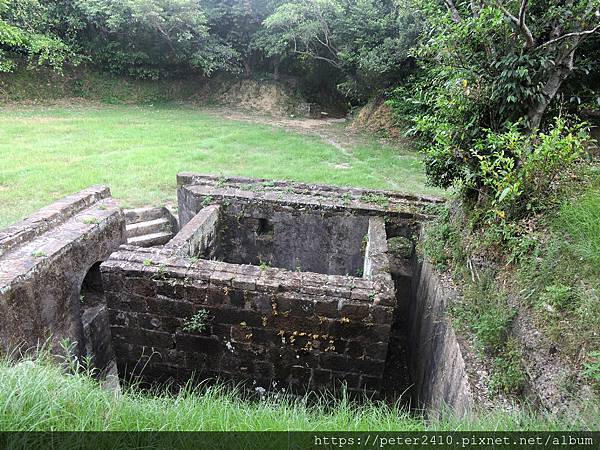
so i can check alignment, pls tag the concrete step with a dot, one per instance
(143, 214)
(150, 240)
(148, 227)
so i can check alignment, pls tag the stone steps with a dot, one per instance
(151, 240)
(137, 215)
(148, 227)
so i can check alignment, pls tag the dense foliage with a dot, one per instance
(361, 44)
(367, 40)
(492, 75)
(33, 30)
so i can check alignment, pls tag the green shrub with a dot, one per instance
(517, 172)
(508, 376)
(198, 322)
(592, 368)
(492, 327)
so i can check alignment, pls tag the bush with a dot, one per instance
(484, 311)
(442, 245)
(517, 172)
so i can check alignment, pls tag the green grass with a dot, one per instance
(562, 276)
(49, 152)
(580, 220)
(37, 395)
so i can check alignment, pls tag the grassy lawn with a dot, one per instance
(36, 395)
(49, 152)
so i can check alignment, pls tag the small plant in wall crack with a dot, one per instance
(90, 220)
(221, 182)
(39, 254)
(377, 199)
(198, 322)
(207, 201)
(264, 264)
(161, 273)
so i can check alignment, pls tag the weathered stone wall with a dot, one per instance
(300, 330)
(198, 191)
(438, 367)
(43, 262)
(300, 240)
(295, 226)
(198, 238)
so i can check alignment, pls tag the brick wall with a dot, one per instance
(300, 330)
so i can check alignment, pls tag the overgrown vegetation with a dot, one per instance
(37, 395)
(547, 263)
(498, 102)
(362, 46)
(560, 275)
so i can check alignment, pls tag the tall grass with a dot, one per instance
(37, 395)
(580, 221)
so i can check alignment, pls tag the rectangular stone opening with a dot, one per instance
(294, 282)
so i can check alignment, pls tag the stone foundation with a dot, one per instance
(295, 281)
(294, 286)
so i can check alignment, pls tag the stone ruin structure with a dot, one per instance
(50, 285)
(275, 284)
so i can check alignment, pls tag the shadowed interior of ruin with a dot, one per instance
(92, 291)
(301, 241)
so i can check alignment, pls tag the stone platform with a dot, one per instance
(294, 281)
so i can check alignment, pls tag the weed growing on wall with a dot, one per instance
(198, 322)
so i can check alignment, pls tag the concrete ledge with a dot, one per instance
(198, 235)
(377, 263)
(49, 217)
(191, 178)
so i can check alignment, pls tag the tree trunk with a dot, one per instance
(247, 67)
(562, 69)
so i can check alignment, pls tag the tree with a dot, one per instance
(548, 31)
(28, 31)
(144, 37)
(366, 40)
(237, 24)
(488, 74)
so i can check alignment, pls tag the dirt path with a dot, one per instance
(332, 131)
